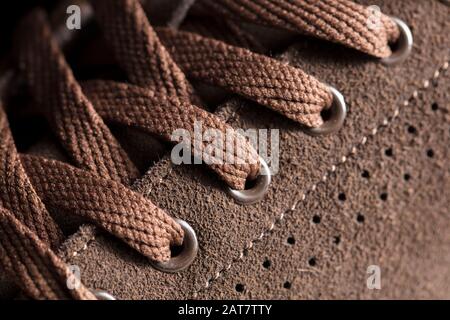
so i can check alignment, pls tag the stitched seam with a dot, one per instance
(386, 121)
(439, 71)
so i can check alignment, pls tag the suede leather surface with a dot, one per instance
(407, 235)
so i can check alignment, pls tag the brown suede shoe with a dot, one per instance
(344, 195)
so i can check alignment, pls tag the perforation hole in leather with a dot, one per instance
(316, 219)
(337, 240)
(240, 287)
(412, 129)
(365, 174)
(266, 264)
(360, 218)
(389, 152)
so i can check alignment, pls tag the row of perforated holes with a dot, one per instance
(316, 219)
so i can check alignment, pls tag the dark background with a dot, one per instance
(10, 13)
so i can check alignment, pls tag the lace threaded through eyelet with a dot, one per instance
(187, 255)
(260, 188)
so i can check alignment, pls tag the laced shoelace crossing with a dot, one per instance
(158, 99)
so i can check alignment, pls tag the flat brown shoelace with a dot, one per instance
(157, 98)
(340, 21)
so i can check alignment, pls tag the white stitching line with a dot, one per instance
(373, 132)
(332, 169)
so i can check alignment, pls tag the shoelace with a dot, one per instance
(97, 184)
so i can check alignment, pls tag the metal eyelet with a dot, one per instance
(338, 113)
(258, 191)
(103, 295)
(185, 258)
(404, 44)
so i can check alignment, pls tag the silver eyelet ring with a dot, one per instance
(103, 295)
(258, 191)
(338, 113)
(186, 256)
(404, 44)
